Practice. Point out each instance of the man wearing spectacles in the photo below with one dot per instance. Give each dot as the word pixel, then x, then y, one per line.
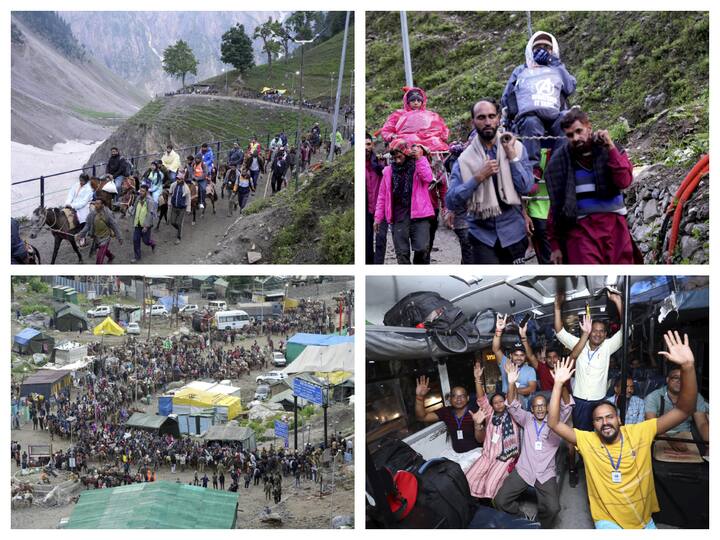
pixel 464 422
pixel 536 464
pixel 666 398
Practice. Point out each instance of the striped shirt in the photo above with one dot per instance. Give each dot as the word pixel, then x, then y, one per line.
pixel 587 202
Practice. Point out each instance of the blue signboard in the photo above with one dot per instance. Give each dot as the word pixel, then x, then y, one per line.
pixel 307 390
pixel 281 429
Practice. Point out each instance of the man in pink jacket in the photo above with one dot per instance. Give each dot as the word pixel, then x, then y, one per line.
pixel 415 124
pixel 404 201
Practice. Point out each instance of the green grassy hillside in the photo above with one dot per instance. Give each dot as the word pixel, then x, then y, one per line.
pixel 618 59
pixel 319 63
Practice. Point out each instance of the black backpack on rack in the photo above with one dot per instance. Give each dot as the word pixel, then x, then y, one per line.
pixel 445 322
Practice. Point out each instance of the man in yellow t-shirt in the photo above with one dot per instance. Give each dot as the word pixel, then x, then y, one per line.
pixel 618 462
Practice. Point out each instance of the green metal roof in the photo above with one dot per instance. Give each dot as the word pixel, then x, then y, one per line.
pixel 155 505
pixel 71 308
pixel 147 421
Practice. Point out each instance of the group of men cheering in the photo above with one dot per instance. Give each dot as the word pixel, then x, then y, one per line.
pixel 548 401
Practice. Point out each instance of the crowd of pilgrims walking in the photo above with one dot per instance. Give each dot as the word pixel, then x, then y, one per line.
pixel 170 189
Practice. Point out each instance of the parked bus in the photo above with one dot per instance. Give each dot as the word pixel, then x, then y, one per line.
pixel 231 320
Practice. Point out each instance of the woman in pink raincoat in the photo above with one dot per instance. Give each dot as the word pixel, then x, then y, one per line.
pixel 416 124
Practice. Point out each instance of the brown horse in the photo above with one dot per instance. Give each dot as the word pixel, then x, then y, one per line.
pixel 57 222
pixel 97 185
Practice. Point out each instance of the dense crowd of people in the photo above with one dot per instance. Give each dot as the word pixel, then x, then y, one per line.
pixel 533 179
pixel 106 453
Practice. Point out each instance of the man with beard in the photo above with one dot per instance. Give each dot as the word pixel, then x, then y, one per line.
pixel 592 351
pixel 618 459
pixel 587 223
pixel 536 465
pixel 488 179
pixel 526 381
pixel 404 201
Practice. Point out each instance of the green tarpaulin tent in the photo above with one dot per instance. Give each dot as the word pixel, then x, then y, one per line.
pixel 155 505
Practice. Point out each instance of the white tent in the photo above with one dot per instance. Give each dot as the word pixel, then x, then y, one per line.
pixel 329 358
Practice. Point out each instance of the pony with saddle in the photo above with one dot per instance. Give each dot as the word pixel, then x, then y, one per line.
pixel 63 225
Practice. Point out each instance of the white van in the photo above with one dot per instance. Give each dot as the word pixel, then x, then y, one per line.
pixel 231 320
pixel 217 305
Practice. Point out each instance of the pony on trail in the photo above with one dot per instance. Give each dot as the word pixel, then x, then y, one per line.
pixel 60 227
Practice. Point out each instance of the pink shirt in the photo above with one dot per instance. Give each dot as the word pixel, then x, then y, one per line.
pixel 537 465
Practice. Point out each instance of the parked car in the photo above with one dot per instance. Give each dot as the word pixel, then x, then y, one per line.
pixel 189 308
pixel 270 376
pixel 99 311
pixel 262 392
pixel 157 309
pixel 133 328
pixel 279 359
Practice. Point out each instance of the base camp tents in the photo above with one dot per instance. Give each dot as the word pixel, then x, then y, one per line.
pixel 299 341
pixel 324 359
pixel 46 382
pixel 70 318
pixel 31 341
pixel 154 422
pixel 230 432
pixel 108 326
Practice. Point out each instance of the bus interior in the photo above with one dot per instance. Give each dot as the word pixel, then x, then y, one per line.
pixel 397 356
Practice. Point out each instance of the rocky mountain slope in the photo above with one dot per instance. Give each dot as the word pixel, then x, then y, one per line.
pixel 643 75
pixel 140 37
pixel 56 96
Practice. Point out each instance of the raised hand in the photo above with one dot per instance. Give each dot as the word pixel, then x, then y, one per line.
pixel 564 370
pixel 559 299
pixel 678 352
pixel 500 323
pixel 522 330
pixel 477 371
pixel 586 324
pixel 423 386
pixel 478 417
pixel 512 372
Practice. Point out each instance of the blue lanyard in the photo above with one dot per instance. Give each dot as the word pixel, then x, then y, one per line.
pixel 538 431
pixel 590 356
pixel 459 421
pixel 612 463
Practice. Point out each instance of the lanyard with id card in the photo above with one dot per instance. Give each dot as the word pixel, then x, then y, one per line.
pixel 538 441
pixel 459 421
pixel 615 475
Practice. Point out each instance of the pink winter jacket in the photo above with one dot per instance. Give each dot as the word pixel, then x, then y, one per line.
pixel 420 204
pixel 417 127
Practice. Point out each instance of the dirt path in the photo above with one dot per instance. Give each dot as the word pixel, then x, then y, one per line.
pixel 446 249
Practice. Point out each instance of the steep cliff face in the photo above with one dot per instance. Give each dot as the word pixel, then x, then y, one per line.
pixel 57 97
pixel 131 43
